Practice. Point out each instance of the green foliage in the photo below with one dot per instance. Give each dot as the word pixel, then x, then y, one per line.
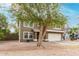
pixel 73 30
pixel 3 22
pixel 1 34
pixel 4 33
pixel 3 26
pixel 46 14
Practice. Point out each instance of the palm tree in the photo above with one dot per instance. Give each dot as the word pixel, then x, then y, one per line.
pixel 73 32
pixel 42 14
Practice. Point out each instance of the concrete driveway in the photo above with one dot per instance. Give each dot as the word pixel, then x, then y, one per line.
pixel 69 43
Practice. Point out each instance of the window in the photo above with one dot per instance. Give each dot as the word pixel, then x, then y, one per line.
pixel 27 35
pixel 30 35
pixel 27 24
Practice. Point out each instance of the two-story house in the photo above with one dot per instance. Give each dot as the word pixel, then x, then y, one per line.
pixel 31 32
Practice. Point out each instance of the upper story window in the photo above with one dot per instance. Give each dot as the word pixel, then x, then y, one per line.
pixel 55 27
pixel 27 24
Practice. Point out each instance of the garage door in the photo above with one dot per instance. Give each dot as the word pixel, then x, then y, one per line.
pixel 54 37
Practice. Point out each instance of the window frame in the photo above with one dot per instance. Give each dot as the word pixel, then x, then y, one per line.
pixel 28 35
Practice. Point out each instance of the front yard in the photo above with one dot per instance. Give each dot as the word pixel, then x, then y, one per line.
pixel 51 48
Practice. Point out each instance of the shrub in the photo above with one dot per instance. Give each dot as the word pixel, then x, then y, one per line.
pixel 12 36
pixel 1 34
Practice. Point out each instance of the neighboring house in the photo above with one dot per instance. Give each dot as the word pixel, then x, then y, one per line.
pixel 31 32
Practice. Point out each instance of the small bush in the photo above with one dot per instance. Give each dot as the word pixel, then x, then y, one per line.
pixel 11 36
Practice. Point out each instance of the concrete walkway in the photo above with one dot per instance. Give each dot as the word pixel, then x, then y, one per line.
pixel 69 43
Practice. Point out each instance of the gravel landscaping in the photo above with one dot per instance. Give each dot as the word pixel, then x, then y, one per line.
pixel 63 48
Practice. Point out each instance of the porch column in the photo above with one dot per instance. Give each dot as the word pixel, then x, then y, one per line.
pixel 35 36
pixel 20 32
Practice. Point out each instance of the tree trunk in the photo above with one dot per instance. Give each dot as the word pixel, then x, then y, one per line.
pixel 44 32
pixel 40 37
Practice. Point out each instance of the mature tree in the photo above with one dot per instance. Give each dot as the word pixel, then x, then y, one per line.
pixel 43 14
pixel 3 26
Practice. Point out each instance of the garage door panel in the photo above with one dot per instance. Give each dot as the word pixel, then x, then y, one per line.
pixel 54 37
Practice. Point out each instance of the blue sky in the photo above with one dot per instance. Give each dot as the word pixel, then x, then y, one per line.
pixel 70 10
